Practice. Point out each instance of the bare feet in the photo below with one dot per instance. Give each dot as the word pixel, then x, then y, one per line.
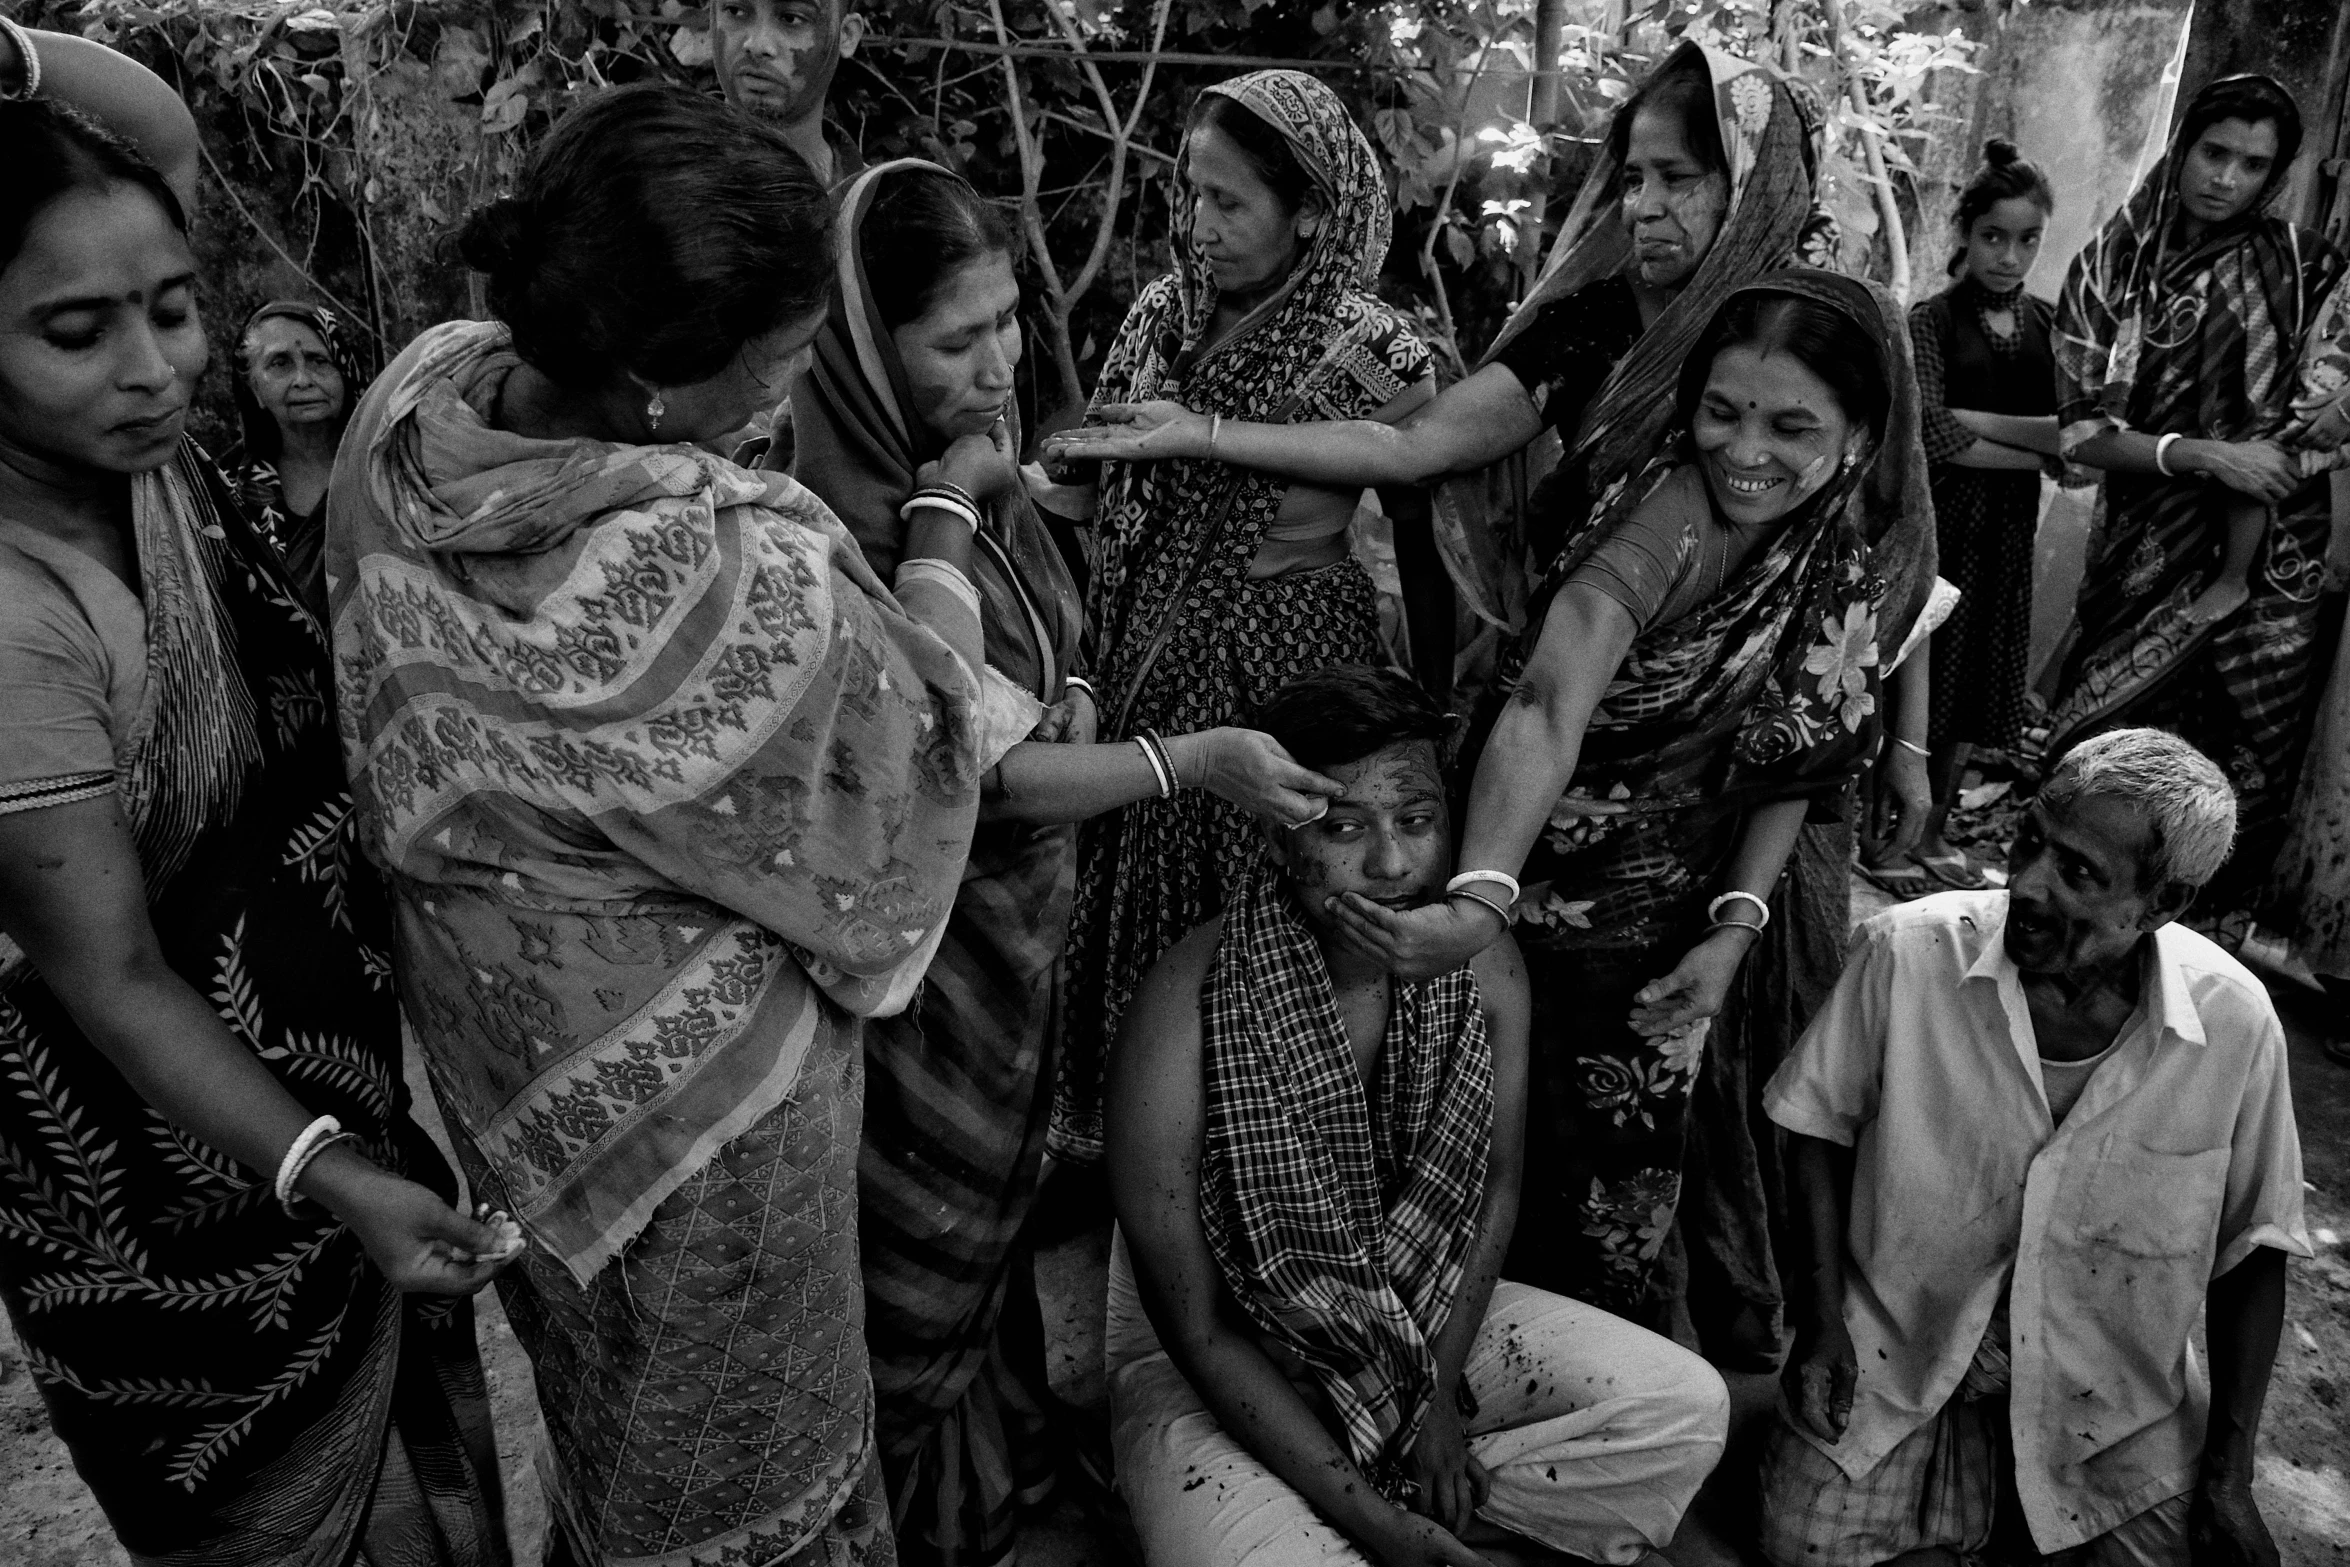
pixel 2217 602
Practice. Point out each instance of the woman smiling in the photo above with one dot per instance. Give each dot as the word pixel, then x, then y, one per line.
pixel 1700 666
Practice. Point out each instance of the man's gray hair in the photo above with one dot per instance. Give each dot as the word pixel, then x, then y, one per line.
pixel 2185 796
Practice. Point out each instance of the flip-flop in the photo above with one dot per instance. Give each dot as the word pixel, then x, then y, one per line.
pixel 1903 878
pixel 1955 870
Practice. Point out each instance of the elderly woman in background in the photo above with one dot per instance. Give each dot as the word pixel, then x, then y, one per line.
pixel 675 795
pixel 2178 344
pixel 195 985
pixel 298 373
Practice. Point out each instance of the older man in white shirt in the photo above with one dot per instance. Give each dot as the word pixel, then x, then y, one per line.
pixel 2031 1134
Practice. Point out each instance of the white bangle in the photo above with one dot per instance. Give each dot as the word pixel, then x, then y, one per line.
pixel 299 1154
pixel 31 57
pixel 1150 754
pixel 2162 446
pixel 946 503
pixel 1502 878
pixel 1079 683
pixel 1912 745
pixel 1713 910
pixel 1215 429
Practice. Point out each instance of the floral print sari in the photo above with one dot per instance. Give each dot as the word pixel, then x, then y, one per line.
pixel 1767 691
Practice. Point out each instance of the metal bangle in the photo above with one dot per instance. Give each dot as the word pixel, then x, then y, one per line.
pixel 1081 684
pixel 26 52
pixel 1713 910
pixel 1912 745
pixel 1158 768
pixel 1507 918
pixel 1166 760
pixel 1215 429
pixel 1734 925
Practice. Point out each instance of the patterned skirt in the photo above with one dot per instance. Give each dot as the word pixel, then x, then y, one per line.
pixel 706 1394
pixel 1985 524
pixel 1151 873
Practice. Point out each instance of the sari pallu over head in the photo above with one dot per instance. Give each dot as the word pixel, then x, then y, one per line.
pixel 2157 335
pixel 1341 1221
pixel 1767 691
pixel 1174 539
pixel 1769 127
pixel 655 761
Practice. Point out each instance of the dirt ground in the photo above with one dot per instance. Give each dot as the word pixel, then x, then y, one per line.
pixel 47 1517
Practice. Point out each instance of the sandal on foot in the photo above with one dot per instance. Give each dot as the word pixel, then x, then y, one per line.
pixel 1956 870
pixel 1900 878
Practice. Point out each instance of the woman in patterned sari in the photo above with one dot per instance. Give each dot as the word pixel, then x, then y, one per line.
pixel 2178 338
pixel 674 794
pixel 911 382
pixel 194 968
pixel 1213 586
pixel 1699 670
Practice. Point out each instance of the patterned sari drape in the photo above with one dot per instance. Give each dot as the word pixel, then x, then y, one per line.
pixel 2203 339
pixel 223 1372
pixel 1186 641
pixel 955 1102
pixel 673 793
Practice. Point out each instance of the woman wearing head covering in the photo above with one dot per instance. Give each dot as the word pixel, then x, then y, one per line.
pixel 1706 179
pixel 298 373
pixel 910 387
pixel 1699 671
pixel 2178 341
pixel 675 794
pixel 214 1208
pixel 1213 585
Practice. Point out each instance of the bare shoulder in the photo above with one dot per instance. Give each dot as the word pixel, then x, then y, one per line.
pixel 1163 1020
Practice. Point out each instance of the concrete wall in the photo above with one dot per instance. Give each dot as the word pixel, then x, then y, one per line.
pixel 2078 85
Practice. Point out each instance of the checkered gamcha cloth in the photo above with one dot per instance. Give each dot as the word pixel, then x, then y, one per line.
pixel 1339 1220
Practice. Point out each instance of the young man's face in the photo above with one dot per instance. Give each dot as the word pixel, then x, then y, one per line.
pixel 775 58
pixel 1389 837
pixel 2077 898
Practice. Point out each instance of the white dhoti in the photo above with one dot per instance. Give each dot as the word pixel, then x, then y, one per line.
pixel 1595 1432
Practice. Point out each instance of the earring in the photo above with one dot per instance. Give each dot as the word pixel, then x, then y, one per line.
pixel 654 409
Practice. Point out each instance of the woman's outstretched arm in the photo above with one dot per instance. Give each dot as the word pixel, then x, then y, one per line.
pixel 1468 425
pixel 1528 762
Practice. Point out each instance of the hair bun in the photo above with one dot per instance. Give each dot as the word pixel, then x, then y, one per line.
pixel 498 237
pixel 1999 152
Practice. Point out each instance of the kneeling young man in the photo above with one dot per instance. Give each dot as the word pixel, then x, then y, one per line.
pixel 1315 1168
pixel 2032 1133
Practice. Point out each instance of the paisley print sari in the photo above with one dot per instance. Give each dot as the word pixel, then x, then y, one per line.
pixel 1185 639
pixel 672 795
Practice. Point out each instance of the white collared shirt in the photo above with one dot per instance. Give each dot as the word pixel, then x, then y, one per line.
pixel 2179 1159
